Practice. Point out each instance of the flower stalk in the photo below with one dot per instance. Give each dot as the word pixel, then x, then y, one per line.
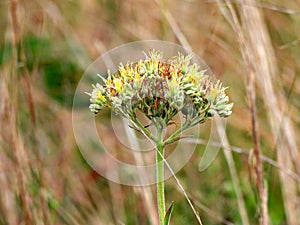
pixel 160 188
pixel 160 90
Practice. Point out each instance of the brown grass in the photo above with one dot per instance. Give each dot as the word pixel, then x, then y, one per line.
pixel 252 46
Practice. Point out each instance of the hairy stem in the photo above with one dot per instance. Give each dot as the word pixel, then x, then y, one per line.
pixel 160 188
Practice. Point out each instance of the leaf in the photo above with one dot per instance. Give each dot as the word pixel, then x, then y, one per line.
pixel 168 214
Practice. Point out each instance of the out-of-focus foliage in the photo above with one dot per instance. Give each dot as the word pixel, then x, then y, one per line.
pixel 43 177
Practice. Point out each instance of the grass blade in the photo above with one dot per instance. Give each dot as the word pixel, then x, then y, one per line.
pixel 168 214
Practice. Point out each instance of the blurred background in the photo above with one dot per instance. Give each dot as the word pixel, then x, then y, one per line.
pixel 45 47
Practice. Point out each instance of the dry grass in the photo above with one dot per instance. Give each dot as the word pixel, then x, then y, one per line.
pixel 253 46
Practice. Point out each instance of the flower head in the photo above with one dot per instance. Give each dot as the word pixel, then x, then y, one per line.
pixel 162 89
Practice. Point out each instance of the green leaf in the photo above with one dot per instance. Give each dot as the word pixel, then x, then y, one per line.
pixel 168 214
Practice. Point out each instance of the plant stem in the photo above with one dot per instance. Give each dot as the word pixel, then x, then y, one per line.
pixel 175 135
pixel 160 188
pixel 146 132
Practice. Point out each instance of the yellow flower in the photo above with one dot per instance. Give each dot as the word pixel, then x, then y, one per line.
pixel 174 82
pixel 162 89
pixel 118 85
pixel 155 64
pixel 100 97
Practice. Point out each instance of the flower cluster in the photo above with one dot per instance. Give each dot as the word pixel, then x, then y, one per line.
pixel 161 89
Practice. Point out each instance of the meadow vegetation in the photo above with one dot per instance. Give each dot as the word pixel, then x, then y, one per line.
pixel 252 46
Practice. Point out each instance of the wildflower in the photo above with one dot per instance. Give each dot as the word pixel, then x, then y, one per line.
pixel 162 89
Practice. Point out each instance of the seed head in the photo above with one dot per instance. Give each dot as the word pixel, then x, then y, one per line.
pixel 161 89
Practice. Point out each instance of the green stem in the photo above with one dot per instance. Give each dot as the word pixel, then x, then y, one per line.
pixel 160 188
pixel 142 128
pixel 175 135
